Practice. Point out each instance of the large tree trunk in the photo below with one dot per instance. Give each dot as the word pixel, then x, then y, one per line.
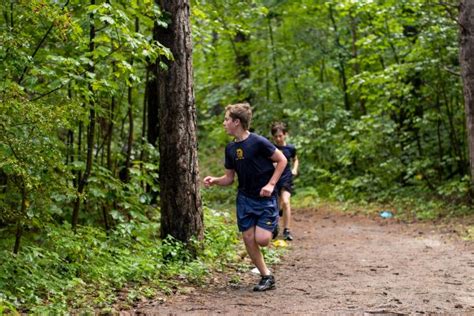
pixel 466 56
pixel 181 210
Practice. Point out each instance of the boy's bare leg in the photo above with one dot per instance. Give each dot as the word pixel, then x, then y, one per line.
pixel 255 237
pixel 286 207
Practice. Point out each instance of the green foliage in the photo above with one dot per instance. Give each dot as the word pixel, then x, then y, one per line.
pixel 50 80
pixel 32 165
pixel 65 270
pixel 220 234
pixel 7 308
pixel 365 87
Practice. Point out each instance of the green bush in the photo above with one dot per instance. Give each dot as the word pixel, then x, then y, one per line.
pixel 64 271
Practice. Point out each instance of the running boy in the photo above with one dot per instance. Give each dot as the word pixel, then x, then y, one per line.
pixel 285 184
pixel 251 156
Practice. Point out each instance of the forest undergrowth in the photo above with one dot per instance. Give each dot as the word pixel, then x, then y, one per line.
pixel 61 271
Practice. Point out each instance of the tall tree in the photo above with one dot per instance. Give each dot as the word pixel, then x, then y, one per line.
pixel 90 131
pixel 242 59
pixel 466 56
pixel 181 209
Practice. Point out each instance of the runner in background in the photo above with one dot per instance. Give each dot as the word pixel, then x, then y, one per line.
pixel 285 184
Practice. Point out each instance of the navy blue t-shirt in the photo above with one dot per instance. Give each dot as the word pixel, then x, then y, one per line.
pixel 290 153
pixel 251 161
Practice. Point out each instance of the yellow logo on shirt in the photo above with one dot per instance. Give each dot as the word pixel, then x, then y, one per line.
pixel 240 153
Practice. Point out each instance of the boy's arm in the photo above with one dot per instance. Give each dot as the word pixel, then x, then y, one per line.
pixel 281 162
pixel 295 166
pixel 226 179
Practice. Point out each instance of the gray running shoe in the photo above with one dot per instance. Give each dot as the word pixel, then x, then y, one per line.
pixel 287 235
pixel 266 283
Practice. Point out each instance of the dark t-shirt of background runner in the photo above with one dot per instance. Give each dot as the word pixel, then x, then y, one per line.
pixel 251 161
pixel 290 153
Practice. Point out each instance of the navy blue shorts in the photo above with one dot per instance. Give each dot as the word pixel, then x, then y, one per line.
pixel 285 182
pixel 256 212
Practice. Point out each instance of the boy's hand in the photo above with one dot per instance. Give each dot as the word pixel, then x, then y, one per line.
pixel 267 190
pixel 208 181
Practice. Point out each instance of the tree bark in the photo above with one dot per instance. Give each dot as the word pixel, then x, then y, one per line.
pixel 144 116
pixel 18 234
pixel 125 172
pixel 341 61
pixel 181 210
pixel 355 55
pixel 242 59
pixel 466 58
pixel 19 226
pixel 128 158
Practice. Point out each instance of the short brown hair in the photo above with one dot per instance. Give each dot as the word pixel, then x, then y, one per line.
pixel 278 126
pixel 241 111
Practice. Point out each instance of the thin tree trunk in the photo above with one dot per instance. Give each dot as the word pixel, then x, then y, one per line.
pixel 274 63
pixel 144 117
pixel 19 225
pixel 70 137
pixel 90 131
pixel 125 174
pixel 322 71
pixel 297 90
pixel 9 19
pixel 439 124
pixel 70 147
pixel 106 208
pixel 242 60
pixel 18 234
pixel 267 85
pixel 242 57
pixel 455 142
pixel 130 120
pixel 110 131
pixel 342 68
pixel 78 177
pixel 355 55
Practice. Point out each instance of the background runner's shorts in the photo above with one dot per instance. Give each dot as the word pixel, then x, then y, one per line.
pixel 285 182
pixel 256 212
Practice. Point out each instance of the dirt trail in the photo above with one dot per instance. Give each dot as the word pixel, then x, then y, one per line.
pixel 347 265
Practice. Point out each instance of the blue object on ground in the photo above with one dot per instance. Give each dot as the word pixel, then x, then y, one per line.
pixel 386 214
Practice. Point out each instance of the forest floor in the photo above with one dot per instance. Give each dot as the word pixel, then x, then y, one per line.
pixel 346 264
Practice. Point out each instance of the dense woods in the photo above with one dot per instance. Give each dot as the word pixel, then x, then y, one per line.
pixel 102 106
pixel 370 90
